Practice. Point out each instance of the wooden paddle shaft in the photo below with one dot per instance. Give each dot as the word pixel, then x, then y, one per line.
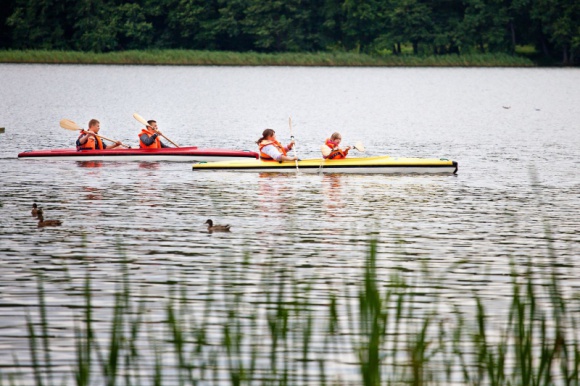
pixel 292 138
pixel 108 139
pixel 174 144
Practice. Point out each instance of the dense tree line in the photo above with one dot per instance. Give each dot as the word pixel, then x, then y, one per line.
pixel 370 26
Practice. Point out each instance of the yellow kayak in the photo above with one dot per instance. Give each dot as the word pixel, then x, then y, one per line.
pixel 369 165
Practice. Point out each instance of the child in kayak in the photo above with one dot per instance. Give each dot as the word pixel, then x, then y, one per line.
pixel 331 149
pixel 272 150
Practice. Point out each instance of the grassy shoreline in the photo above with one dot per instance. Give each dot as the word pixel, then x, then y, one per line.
pixel 222 58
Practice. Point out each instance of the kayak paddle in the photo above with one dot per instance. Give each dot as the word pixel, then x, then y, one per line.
pixel 292 139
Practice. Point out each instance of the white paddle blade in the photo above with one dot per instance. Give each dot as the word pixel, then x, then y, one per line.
pixel 69 125
pixel 359 146
pixel 140 119
pixel 325 150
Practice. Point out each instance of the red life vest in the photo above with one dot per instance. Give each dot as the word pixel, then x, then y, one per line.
pixel 154 145
pixel 93 143
pixel 265 143
pixel 335 152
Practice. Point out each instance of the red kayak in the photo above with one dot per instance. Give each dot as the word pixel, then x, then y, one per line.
pixel 175 154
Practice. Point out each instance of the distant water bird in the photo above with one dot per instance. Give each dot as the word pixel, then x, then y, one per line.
pixel 537 109
pixel 48 223
pixel 34 211
pixel 217 228
pixel 506 107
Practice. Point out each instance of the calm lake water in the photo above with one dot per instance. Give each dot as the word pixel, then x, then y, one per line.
pixel 507 128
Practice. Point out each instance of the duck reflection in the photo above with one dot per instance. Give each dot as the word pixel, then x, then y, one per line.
pixel 92 193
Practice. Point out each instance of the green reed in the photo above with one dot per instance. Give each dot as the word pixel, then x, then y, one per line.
pixel 224 58
pixel 276 329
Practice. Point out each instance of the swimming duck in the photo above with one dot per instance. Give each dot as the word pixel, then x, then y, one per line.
pixel 217 228
pixel 47 223
pixel 34 210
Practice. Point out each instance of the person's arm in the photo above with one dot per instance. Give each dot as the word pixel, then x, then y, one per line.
pixel 275 154
pixel 148 140
pixel 115 145
pixel 83 139
pixel 287 158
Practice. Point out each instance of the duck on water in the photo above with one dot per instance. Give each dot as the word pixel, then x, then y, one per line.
pixel 216 228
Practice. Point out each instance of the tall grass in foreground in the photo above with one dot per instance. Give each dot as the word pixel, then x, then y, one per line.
pixel 279 329
pixel 224 58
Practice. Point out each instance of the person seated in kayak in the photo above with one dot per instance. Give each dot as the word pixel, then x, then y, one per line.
pixel 272 150
pixel 89 141
pixel 148 137
pixel 331 149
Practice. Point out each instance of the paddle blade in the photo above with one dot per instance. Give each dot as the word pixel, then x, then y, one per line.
pixel 359 146
pixel 325 150
pixel 69 125
pixel 140 119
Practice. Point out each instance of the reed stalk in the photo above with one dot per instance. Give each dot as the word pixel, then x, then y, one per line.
pixel 391 331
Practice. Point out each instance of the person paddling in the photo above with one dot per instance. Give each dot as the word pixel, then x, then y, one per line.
pixel 272 150
pixel 334 151
pixel 90 140
pixel 148 137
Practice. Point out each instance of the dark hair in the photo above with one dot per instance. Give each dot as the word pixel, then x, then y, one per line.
pixel 93 122
pixel 265 134
pixel 151 121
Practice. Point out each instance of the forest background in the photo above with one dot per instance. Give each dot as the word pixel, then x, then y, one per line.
pixel 547 31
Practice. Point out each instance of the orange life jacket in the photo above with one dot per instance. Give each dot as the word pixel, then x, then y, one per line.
pixel 335 153
pixel 265 143
pixel 93 143
pixel 154 145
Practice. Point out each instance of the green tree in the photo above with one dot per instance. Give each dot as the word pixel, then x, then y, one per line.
pixel 191 23
pixel 132 28
pixel 7 9
pixel 485 24
pixel 330 16
pixel 94 26
pixel 106 25
pixel 560 23
pixel 409 21
pixel 363 23
pixel 231 33
pixel 40 24
pixel 446 18
pixel 275 26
